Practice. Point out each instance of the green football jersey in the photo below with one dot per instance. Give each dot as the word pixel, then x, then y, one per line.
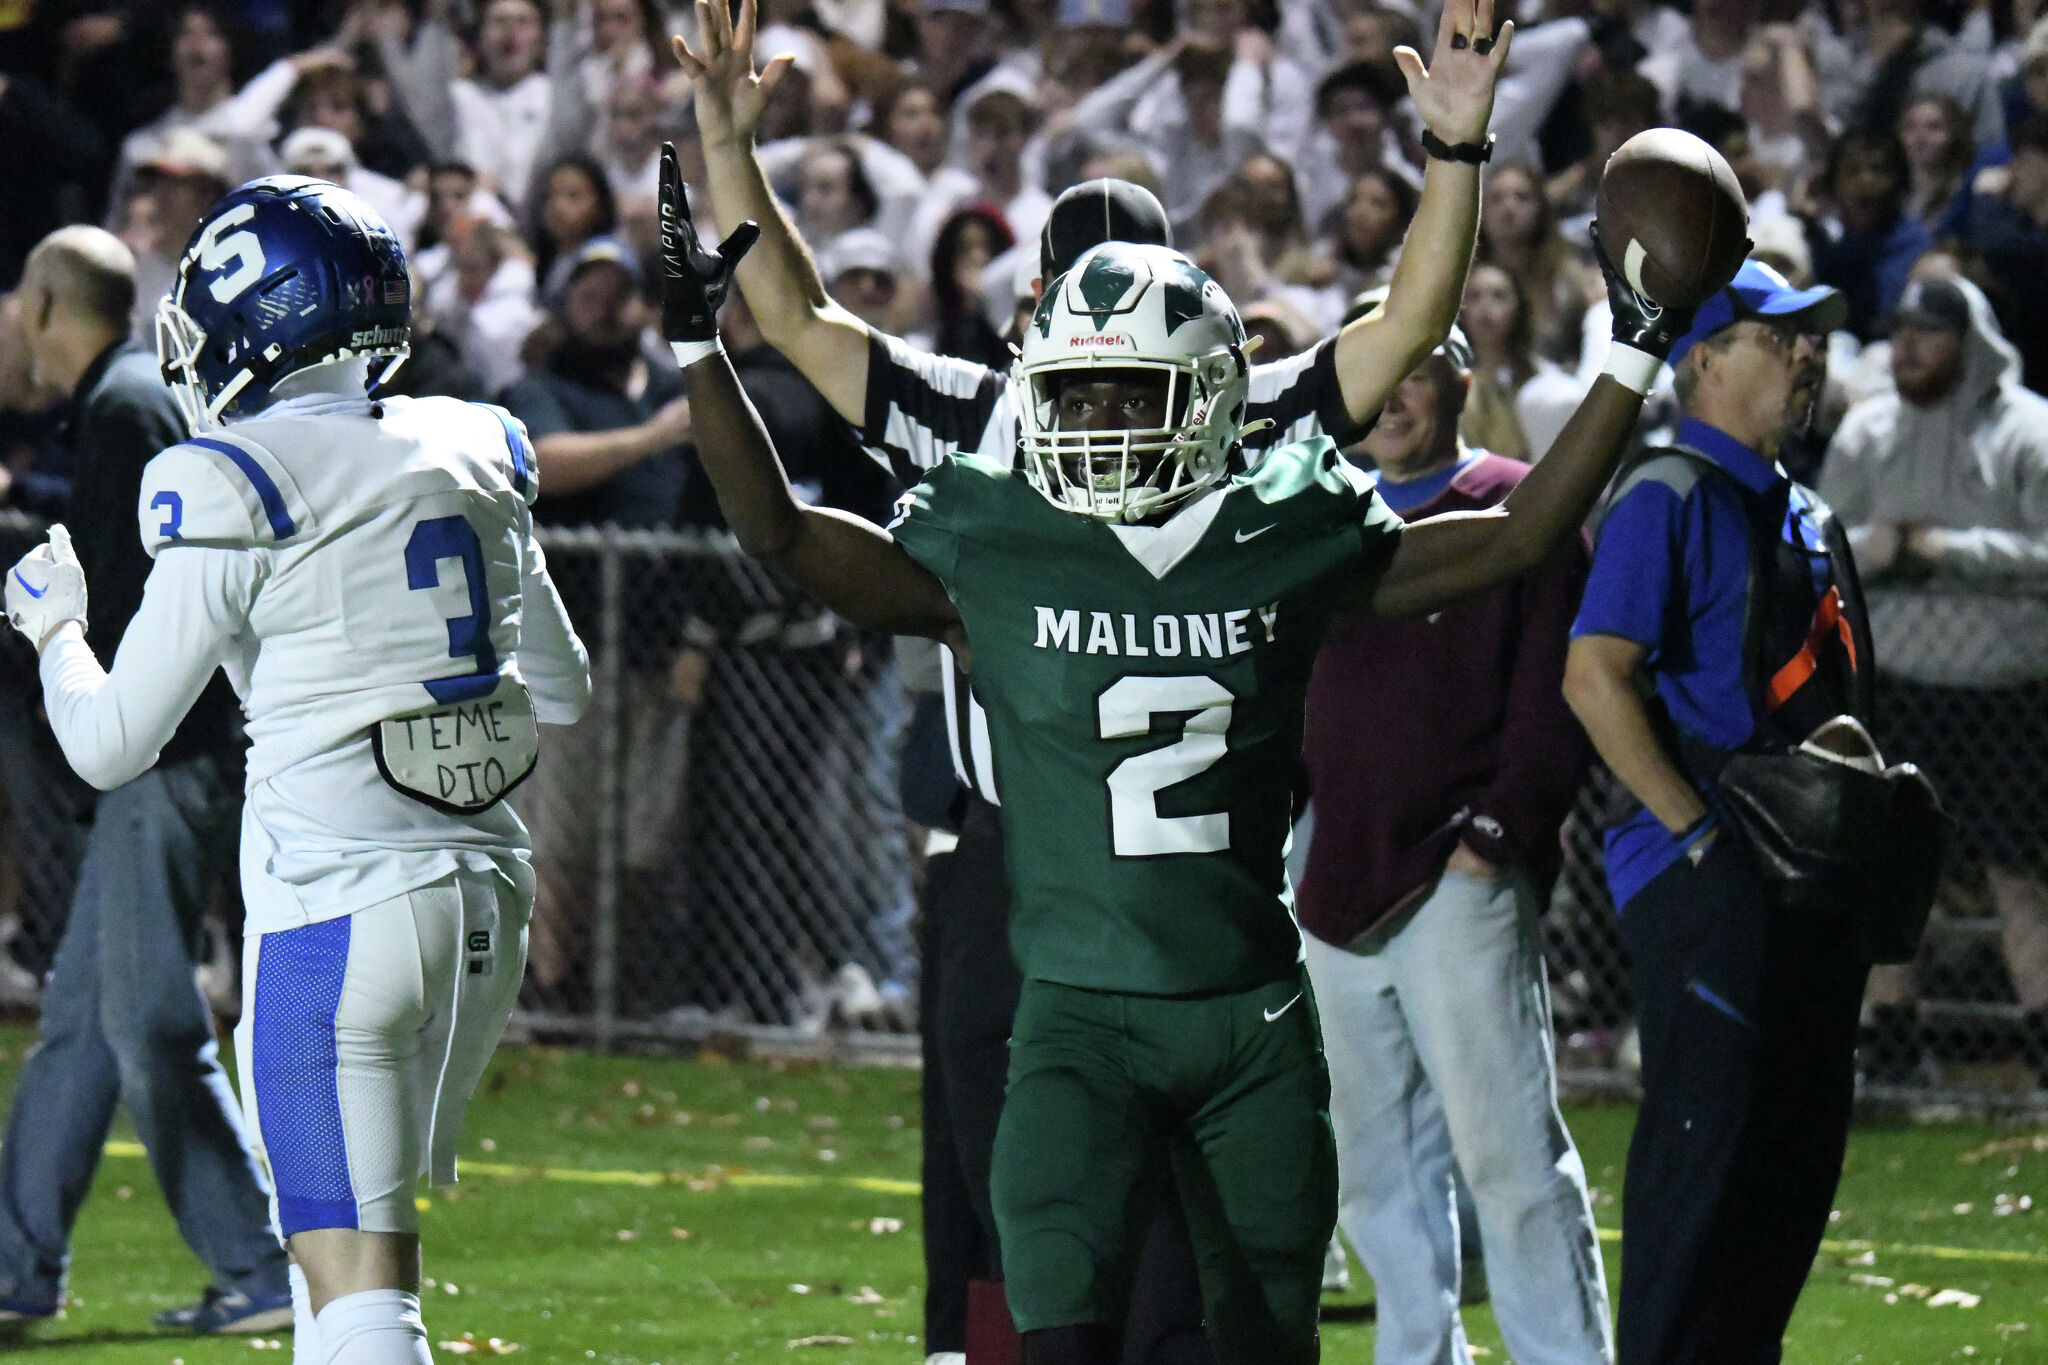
pixel 1145 688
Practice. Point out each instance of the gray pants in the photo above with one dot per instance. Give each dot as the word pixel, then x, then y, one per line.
pixel 124 1023
pixel 1437 1032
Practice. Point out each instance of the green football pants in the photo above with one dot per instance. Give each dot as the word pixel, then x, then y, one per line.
pixel 1106 1092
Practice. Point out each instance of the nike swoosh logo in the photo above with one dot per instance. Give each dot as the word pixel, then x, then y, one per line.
pixel 1271 1015
pixel 24 585
pixel 1243 536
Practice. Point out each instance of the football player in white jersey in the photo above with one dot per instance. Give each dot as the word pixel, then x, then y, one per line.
pixel 365 570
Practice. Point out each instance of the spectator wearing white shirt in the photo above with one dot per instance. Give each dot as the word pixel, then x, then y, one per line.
pixel 954 37
pixel 864 270
pixel 1780 103
pixel 894 179
pixel 201 61
pixel 325 154
pixel 1616 105
pixel 1943 485
pixel 1705 65
pixel 630 145
pixel 1258 246
pixel 1357 132
pixel 911 119
pixel 628 42
pixel 1263 100
pixel 175 180
pixel 1518 232
pixel 514 109
pixel 833 192
pixel 1088 45
pixel 484 300
pixel 339 96
pixel 1540 65
pixel 1896 55
pixel 995 120
pixel 1519 401
pixel 1364 240
pixel 453 193
pixel 1284 89
pixel 1195 109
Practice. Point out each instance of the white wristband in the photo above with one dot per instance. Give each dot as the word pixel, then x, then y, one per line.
pixel 689 353
pixel 1632 369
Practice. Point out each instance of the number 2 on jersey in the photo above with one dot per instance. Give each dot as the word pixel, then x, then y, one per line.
pixel 1125 711
pixel 432 541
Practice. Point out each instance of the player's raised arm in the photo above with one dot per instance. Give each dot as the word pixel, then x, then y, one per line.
pixel 825 342
pixel 1442 559
pixel 849 564
pixel 1454 96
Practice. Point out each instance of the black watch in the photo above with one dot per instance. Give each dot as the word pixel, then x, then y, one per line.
pixel 1471 153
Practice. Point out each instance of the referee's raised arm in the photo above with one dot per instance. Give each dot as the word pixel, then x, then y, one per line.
pixel 797 317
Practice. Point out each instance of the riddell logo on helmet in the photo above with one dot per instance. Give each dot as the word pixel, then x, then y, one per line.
pixel 377 336
pixel 1105 339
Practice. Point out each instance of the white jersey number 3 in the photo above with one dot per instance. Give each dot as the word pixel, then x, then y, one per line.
pixel 1125 711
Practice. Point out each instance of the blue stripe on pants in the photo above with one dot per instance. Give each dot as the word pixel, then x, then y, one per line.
pixel 299 975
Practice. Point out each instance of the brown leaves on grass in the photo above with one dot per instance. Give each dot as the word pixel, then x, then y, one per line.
pixel 468 1345
pixel 2037 1142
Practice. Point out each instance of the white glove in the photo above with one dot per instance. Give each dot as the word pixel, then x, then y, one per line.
pixel 46 589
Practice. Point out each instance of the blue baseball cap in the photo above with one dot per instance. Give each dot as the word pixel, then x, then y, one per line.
pixel 1757 291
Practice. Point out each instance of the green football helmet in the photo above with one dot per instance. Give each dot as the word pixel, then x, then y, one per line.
pixel 1125 307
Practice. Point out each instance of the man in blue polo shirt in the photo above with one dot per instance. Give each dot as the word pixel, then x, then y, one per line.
pixel 1694 639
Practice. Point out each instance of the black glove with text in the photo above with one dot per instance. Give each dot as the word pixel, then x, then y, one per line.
pixel 694 281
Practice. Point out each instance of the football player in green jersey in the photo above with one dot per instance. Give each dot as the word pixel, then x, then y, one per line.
pixel 1145 612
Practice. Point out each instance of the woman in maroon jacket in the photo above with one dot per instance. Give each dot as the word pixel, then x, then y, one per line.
pixel 1442 760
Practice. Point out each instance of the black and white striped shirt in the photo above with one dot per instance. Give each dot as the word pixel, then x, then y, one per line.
pixel 922 408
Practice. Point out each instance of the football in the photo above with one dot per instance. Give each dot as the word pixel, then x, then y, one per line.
pixel 1672 217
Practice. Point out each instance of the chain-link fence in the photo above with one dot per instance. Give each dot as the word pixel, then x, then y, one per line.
pixel 720 841
pixel 722 849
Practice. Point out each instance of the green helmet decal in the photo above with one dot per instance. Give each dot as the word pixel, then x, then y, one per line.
pixel 1184 285
pixel 1042 319
pixel 1186 288
pixel 1105 284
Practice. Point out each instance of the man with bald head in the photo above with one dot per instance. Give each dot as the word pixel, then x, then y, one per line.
pixel 122 1022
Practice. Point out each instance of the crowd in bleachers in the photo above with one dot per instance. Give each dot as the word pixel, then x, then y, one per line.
pixel 918 146
pixel 514 144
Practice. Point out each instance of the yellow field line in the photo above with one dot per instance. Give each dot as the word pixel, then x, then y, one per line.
pixel 576 1175
pixel 750 1180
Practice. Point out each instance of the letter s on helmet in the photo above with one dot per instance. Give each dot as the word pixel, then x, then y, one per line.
pixel 281 275
pixel 1129 307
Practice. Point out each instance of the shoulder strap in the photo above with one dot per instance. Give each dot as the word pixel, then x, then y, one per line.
pixel 1842 562
pixel 1677 469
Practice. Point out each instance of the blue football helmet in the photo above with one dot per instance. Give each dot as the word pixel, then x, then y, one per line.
pixel 282 274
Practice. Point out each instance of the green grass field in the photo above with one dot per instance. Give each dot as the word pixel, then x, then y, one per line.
pixel 641 1210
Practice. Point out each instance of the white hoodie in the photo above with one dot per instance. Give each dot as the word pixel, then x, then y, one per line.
pixel 1974 464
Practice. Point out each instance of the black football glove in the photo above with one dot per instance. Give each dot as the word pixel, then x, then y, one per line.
pixel 694 282
pixel 1639 322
